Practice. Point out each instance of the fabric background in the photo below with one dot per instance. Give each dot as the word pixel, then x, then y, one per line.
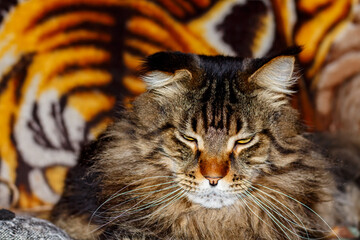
pixel 66 66
pixel 28 228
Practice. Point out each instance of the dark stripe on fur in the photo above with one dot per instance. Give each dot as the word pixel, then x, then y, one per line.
pixel 238 125
pixel 176 140
pixel 204 116
pixel 194 123
pixel 276 144
pixel 293 166
pixel 228 118
pixel 158 131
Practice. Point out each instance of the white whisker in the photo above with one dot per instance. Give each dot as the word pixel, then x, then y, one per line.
pixel 304 205
pixel 282 210
pixel 169 201
pixel 118 216
pixel 118 193
pixel 141 195
pixel 272 217
pixel 135 208
pixel 244 202
pixel 153 203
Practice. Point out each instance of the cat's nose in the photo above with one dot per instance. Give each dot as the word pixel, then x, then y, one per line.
pixel 213 169
pixel 213 181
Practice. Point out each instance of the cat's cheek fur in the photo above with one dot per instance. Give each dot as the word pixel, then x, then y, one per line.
pixel 172 165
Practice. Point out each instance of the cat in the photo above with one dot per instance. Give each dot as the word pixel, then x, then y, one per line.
pixel 213 150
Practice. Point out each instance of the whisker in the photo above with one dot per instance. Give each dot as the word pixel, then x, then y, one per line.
pixel 169 201
pixel 153 203
pixel 269 211
pixel 135 208
pixel 244 201
pixel 288 220
pixel 117 194
pixel 114 218
pixel 141 195
pixel 273 206
pixel 272 217
pixel 304 205
pixel 291 222
pixel 259 191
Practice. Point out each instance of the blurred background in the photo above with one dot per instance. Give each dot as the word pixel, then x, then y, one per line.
pixel 67 66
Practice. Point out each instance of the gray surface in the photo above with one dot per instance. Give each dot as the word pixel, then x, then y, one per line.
pixel 30 228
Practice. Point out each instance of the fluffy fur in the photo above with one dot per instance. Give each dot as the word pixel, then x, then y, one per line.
pixel 212 151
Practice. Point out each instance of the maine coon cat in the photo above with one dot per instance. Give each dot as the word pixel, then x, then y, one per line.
pixel 213 150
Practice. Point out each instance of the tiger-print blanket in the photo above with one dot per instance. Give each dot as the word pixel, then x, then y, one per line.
pixel 66 64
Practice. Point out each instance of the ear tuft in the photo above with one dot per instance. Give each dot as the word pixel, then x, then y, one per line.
pixel 157 79
pixel 276 75
pixel 169 73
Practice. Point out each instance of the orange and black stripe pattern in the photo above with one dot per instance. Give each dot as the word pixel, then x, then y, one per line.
pixel 64 67
pixel 66 64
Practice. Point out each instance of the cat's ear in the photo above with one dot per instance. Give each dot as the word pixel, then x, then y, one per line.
pixel 168 73
pixel 276 76
pixel 166 83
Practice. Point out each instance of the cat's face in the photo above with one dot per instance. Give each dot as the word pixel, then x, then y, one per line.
pixel 219 161
pixel 228 124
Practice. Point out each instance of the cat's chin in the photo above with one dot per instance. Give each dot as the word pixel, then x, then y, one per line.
pixel 213 197
pixel 212 200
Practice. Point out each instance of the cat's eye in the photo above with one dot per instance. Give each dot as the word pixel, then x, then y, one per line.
pixel 244 140
pixel 191 139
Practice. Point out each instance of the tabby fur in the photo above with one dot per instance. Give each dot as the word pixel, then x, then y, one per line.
pixel 213 150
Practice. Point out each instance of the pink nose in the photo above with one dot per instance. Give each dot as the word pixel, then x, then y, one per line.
pixel 213 180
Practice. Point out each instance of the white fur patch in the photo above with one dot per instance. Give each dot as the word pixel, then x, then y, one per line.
pixel 213 197
pixel 157 79
pixel 167 84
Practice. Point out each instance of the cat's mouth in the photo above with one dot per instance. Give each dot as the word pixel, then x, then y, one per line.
pixel 213 197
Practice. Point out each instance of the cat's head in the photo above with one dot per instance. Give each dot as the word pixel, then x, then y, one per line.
pixel 229 120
